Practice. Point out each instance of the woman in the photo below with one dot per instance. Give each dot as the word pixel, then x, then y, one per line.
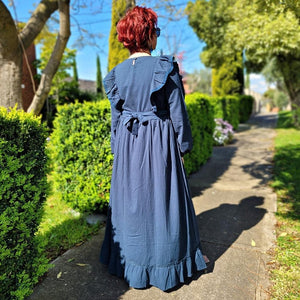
pixel 151 234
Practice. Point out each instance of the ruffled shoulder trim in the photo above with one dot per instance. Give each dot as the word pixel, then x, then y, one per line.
pixel 110 86
pixel 164 66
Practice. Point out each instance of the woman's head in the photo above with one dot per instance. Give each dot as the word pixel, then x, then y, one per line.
pixel 137 29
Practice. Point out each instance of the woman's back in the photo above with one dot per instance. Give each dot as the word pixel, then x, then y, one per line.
pixel 151 232
pixel 138 78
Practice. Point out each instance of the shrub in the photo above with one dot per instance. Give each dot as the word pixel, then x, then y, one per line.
pixel 201 118
pixel 69 93
pixel 223 133
pixel 228 79
pixel 80 155
pixel 80 150
pixel 245 107
pixel 226 108
pixel 23 190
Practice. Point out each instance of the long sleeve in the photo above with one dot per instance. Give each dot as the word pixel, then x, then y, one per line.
pixel 174 91
pixel 112 92
pixel 115 116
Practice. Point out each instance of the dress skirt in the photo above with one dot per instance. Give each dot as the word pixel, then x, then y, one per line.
pixel 151 234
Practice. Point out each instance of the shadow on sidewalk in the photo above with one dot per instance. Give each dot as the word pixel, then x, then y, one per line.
pixel 264 120
pixel 221 227
pixel 215 167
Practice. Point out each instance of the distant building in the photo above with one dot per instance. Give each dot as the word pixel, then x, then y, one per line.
pixel 257 105
pixel 185 83
pixel 87 85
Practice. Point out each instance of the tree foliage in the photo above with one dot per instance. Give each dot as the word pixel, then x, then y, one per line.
pixel 276 98
pixel 75 71
pixel 117 52
pixel 210 20
pixel 99 84
pixel 59 81
pixel 200 81
pixel 228 79
pixel 263 29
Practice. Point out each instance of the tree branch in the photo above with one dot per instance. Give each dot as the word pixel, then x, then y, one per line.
pixel 54 61
pixel 37 21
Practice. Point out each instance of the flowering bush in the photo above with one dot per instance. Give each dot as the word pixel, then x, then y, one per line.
pixel 223 133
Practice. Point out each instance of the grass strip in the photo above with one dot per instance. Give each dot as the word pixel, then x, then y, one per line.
pixel 62 228
pixel 285 272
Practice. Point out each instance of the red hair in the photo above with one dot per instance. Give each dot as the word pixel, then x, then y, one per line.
pixel 136 28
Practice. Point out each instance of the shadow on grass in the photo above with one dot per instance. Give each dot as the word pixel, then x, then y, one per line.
pixel 287 177
pixel 69 233
pixel 285 120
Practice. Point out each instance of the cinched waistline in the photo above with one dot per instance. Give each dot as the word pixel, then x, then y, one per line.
pixel 132 119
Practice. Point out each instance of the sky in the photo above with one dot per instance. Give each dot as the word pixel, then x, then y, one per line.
pixel 176 36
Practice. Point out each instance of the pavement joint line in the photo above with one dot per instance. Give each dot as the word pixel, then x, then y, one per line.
pixel 236 246
pixel 263 190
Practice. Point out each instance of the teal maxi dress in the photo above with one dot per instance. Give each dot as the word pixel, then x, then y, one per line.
pixel 151 234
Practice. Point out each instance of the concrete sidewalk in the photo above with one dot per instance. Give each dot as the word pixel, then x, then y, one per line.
pixel 235 210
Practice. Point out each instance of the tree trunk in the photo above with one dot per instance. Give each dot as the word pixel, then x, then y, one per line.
pixel 56 56
pixel 130 4
pixel 10 61
pixel 289 67
pixel 12 46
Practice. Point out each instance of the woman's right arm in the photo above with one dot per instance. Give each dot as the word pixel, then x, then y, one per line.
pixel 112 93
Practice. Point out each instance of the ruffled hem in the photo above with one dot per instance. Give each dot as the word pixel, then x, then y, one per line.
pixel 161 277
pixel 164 278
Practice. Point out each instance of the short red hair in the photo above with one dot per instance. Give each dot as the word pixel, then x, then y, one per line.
pixel 136 28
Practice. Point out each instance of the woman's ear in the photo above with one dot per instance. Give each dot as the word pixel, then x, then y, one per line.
pixel 153 42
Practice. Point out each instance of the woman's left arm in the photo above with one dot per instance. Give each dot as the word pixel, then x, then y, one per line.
pixel 175 94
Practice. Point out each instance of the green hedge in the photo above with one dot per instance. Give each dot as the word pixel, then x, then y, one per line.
pixel 233 109
pixel 80 150
pixel 80 145
pixel 23 191
pixel 201 117
pixel 226 108
pixel 80 155
pixel 245 107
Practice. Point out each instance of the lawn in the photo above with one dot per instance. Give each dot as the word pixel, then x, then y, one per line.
pixel 285 272
pixel 62 228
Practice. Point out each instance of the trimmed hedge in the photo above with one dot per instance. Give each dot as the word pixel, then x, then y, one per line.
pixel 245 107
pixel 201 117
pixel 80 150
pixel 81 156
pixel 80 145
pixel 226 108
pixel 233 109
pixel 23 191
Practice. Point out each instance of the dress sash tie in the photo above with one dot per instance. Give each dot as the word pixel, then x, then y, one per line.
pixel 132 119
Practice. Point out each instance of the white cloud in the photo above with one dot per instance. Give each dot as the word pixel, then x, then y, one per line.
pixel 258 83
pixel 255 76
